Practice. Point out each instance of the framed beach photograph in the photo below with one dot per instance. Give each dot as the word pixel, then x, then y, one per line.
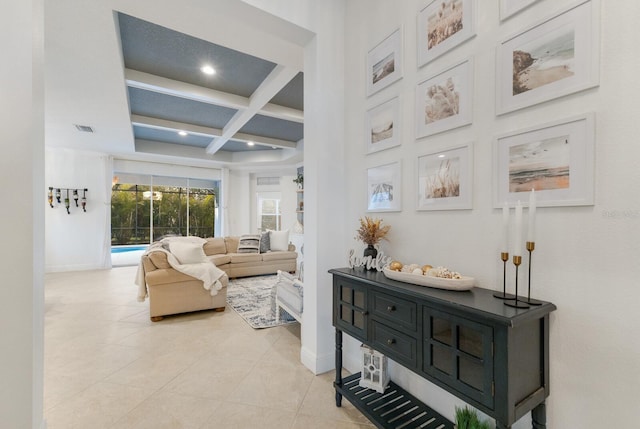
pixel 445 101
pixel 509 8
pixel 554 58
pixel 382 126
pixel 555 159
pixel 384 63
pixel 442 25
pixel 445 179
pixel 384 191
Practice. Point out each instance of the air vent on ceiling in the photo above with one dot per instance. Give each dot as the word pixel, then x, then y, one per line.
pixel 268 180
pixel 83 128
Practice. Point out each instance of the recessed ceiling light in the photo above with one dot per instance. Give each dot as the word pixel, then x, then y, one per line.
pixel 441 156
pixel 208 70
pixel 250 143
pixel 273 147
pixel 182 133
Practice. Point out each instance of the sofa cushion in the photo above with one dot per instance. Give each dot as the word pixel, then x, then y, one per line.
pixel 278 256
pixel 249 243
pixel 265 243
pixel 279 240
pixel 219 260
pixel 232 244
pixel 188 253
pixel 215 246
pixel 159 259
pixel 245 257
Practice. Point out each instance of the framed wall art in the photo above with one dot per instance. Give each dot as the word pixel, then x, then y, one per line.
pixel 384 63
pixel 384 188
pixel 555 159
pixel 554 58
pixel 445 179
pixel 509 8
pixel 442 25
pixel 382 126
pixel 445 101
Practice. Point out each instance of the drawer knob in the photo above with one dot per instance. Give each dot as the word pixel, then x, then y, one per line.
pixel 391 341
pixel 391 308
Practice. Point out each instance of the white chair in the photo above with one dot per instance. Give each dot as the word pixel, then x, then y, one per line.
pixel 288 297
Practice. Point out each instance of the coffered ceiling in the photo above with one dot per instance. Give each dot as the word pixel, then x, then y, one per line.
pixel 249 111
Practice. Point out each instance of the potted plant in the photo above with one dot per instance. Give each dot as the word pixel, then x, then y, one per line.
pixel 299 180
pixel 370 233
pixel 468 419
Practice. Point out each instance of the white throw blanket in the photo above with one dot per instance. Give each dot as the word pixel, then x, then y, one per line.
pixel 207 272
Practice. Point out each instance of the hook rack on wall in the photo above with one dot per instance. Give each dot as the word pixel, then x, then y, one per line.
pixel 67 201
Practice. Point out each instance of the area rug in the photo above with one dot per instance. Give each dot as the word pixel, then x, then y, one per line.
pixel 253 298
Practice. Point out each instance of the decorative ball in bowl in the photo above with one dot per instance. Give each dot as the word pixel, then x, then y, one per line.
pixel 426 275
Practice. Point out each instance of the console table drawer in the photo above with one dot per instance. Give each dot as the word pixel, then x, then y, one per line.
pixel 394 344
pixel 397 310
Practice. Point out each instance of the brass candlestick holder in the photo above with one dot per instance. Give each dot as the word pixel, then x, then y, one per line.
pixel 531 245
pixel 516 303
pixel 504 295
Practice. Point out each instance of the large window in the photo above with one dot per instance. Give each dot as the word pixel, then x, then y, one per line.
pixel 269 213
pixel 141 214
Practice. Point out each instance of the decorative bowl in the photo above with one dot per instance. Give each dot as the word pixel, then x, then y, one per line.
pixel 464 283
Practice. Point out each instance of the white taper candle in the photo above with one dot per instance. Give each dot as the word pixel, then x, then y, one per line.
pixel 531 232
pixel 505 228
pixel 517 242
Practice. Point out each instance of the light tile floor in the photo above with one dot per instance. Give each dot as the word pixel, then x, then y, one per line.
pixel 108 366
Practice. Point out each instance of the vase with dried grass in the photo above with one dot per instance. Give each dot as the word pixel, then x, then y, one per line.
pixel 371 232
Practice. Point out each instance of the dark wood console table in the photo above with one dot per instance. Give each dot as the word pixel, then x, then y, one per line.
pixel 494 357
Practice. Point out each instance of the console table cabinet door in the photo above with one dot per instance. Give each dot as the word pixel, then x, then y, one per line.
pixel 459 352
pixel 350 308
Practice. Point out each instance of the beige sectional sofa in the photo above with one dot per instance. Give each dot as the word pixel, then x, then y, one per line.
pixel 172 292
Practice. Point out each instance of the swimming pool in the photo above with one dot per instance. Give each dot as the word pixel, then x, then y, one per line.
pixel 123 249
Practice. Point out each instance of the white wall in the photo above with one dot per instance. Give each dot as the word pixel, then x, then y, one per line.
pixel 585 258
pixel 77 241
pixel 21 175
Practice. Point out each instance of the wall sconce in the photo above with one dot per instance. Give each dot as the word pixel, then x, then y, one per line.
pixel 374 373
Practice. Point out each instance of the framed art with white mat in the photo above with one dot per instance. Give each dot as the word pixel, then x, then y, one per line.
pixel 556 159
pixel 556 57
pixel 384 188
pixel 443 25
pixel 384 63
pixel 445 179
pixel 382 126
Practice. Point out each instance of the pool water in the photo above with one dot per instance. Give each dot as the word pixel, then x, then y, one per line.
pixel 123 249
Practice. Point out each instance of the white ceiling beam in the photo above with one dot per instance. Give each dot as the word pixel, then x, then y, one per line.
pixel 279 77
pixel 146 121
pixel 188 91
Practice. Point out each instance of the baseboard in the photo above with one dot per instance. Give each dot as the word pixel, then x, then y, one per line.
pixel 64 268
pixel 317 364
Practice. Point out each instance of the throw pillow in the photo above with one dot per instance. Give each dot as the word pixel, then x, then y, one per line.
pixel 187 253
pixel 249 244
pixel 279 240
pixel 265 243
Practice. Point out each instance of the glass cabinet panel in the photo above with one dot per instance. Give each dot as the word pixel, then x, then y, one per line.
pixel 442 359
pixel 441 331
pixel 470 341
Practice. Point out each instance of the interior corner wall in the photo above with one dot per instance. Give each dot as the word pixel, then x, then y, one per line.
pixel 21 175
pixel 76 241
pixel 585 258
pixel 324 165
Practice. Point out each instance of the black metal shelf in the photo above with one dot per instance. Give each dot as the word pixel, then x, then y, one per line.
pixel 393 409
